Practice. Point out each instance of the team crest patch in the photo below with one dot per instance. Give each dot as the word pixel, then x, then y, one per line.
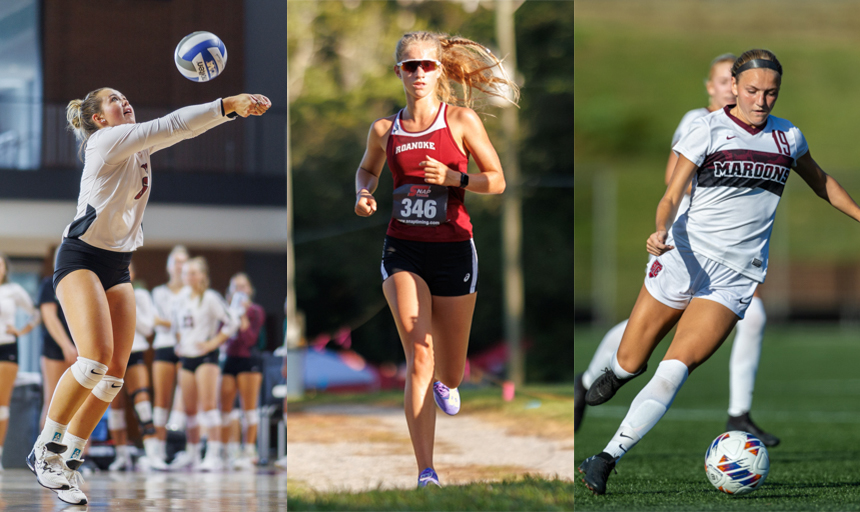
pixel 656 267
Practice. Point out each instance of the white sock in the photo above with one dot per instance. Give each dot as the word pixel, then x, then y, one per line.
pixel 151 448
pixel 620 372
pixel 604 354
pixel 213 449
pixel 746 353
pixel 75 448
pixel 53 432
pixel 648 407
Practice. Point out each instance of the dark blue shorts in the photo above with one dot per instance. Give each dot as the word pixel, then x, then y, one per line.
pixel 136 358
pixel 236 365
pixel 9 352
pixel 192 363
pixel 166 354
pixel 110 267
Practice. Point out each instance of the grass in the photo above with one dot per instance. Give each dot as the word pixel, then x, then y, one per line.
pixel 526 494
pixel 807 393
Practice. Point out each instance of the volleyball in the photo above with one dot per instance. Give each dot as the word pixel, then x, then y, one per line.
pixel 200 56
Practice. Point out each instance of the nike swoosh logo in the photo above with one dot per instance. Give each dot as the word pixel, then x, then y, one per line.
pixel 625 451
pixel 742 301
pixel 116 386
pixel 730 138
pixel 97 373
pixel 622 435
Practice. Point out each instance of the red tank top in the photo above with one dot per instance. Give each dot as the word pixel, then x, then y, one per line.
pixel 404 151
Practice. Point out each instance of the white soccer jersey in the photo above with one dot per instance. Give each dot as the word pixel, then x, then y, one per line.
pixel 117 178
pixel 682 128
pixel 12 297
pixel 741 174
pixel 199 319
pixel 167 306
pixel 145 319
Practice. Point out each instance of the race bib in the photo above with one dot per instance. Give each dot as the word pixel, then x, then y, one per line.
pixel 421 205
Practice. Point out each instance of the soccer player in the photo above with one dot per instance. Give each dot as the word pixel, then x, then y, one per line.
pixel 13 298
pixel 429 263
pixel 706 265
pixel 205 323
pixel 165 366
pixel 746 349
pixel 91 275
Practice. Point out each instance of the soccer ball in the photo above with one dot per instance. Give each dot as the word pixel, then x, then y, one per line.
pixel 200 56
pixel 737 463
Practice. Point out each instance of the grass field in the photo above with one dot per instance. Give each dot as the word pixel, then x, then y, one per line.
pixel 807 393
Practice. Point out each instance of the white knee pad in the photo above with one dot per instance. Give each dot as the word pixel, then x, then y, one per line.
pixel 159 416
pixel 144 411
pixel 87 372
pixel 4 413
pixel 116 419
pixel 107 389
pixel 211 418
pixel 191 421
pixel 226 418
pixel 236 414
pixel 252 416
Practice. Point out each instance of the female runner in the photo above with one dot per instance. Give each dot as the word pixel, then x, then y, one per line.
pixel 91 278
pixel 738 160
pixel 205 323
pixel 429 264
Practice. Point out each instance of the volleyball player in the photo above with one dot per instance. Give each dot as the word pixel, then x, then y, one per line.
pixel 242 371
pixel 91 277
pixel 205 322
pixel 429 264
pixel 58 351
pixel 165 366
pixel 13 298
pixel 138 389
pixel 706 265
pixel 746 349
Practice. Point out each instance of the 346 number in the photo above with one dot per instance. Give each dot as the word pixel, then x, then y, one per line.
pixel 421 208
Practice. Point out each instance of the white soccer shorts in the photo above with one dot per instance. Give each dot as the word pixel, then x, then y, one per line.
pixel 675 278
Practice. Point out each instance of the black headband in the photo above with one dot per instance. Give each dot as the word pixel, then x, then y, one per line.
pixel 759 63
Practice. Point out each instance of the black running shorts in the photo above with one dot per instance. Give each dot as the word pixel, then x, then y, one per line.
pixel 110 267
pixel 450 269
pixel 236 365
pixel 192 363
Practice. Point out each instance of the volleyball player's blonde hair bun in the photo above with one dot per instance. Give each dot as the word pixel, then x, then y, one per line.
pixel 73 113
pixel 79 114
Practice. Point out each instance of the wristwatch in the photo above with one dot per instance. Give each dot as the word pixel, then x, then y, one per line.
pixel 464 180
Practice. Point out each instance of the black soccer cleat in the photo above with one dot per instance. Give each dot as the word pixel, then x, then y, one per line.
pixel 578 402
pixel 745 424
pixel 605 386
pixel 596 470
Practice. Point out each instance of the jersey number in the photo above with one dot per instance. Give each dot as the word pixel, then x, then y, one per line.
pixel 145 186
pixel 781 141
pixel 421 208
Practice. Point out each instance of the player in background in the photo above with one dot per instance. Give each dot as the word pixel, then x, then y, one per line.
pixel 205 322
pixel 282 462
pixel 137 387
pixel 13 298
pixel 242 372
pixel 705 266
pixel 746 348
pixel 58 350
pixel 165 366
pixel 429 264
pixel 91 277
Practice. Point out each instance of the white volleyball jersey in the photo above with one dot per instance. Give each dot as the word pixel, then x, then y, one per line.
pixel 145 320
pixel 682 128
pixel 741 174
pixel 117 178
pixel 200 319
pixel 12 297
pixel 167 306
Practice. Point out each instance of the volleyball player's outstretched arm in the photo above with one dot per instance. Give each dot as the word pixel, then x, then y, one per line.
pixel 826 187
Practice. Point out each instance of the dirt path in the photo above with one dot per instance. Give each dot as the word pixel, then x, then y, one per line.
pixel 359 448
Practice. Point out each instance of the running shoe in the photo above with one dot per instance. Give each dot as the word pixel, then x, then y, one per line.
pixel 446 398
pixel 46 462
pixel 578 402
pixel 605 387
pixel 596 470
pixel 74 495
pixel 428 477
pixel 122 461
pixel 745 424
pixel 183 460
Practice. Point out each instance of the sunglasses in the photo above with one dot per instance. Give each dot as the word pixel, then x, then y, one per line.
pixel 410 66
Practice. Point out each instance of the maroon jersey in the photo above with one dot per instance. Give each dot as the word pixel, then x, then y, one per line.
pixel 426 213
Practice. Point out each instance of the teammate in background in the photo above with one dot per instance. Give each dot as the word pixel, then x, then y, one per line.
pixel 58 351
pixel 739 159
pixel 242 371
pixel 91 276
pixel 12 299
pixel 429 262
pixel 166 298
pixel 746 349
pixel 136 387
pixel 205 322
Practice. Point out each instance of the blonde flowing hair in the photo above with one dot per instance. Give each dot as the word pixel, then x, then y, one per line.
pixel 467 67
pixel 79 114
